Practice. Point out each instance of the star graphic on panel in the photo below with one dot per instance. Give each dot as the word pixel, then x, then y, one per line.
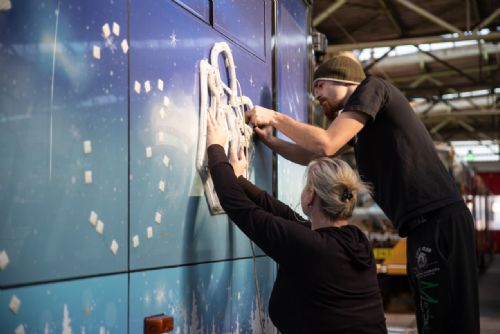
pixel 147 299
pixel 160 296
pixel 287 67
pixel 173 39
pixel 87 310
pixel 251 81
pixel 110 44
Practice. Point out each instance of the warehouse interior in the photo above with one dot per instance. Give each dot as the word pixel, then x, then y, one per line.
pixel 109 221
pixel 445 57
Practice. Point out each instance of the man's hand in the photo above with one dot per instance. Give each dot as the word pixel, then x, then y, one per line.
pixel 216 131
pixel 238 161
pixel 265 133
pixel 260 116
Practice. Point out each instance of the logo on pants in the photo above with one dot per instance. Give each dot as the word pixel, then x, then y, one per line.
pixel 421 257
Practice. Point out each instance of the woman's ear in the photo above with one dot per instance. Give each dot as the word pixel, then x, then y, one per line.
pixel 309 197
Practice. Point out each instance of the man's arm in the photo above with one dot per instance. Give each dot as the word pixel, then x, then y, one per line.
pixel 317 140
pixel 289 151
pixel 311 138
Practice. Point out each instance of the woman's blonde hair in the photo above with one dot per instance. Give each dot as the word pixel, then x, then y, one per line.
pixel 336 184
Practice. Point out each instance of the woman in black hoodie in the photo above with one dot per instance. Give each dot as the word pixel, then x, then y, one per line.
pixel 327 280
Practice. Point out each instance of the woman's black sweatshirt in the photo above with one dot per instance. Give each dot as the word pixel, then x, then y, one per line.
pixel 326 281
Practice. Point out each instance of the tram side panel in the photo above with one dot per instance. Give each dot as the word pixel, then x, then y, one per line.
pixel 63 134
pixel 292 94
pixel 191 267
pixel 168 209
pixel 103 208
pixel 64 167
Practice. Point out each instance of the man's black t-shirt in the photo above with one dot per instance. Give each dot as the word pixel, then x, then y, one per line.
pixel 395 153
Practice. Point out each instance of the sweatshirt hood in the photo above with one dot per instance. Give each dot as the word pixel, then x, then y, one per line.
pixel 356 245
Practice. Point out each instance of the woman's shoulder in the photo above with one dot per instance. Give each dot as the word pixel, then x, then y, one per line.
pixel 355 231
pixel 347 233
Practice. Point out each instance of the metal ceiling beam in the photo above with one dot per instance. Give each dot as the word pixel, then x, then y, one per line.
pixel 430 107
pixel 487 20
pixel 441 74
pixel 418 81
pixel 327 12
pixel 390 11
pixel 470 100
pixel 430 16
pixel 456 69
pixel 461 98
pixel 474 104
pixel 440 125
pixel 450 52
pixel 461 113
pixel 344 31
pixel 475 10
pixel 452 107
pixel 436 82
pixel 366 23
pixel 473 130
pixel 412 41
pixel 477 132
pixel 367 67
pixel 467 14
pixel 425 91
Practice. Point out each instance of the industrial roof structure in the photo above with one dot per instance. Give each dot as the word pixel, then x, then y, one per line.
pixel 444 55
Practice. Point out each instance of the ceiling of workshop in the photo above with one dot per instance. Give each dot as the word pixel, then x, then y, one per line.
pixel 428 77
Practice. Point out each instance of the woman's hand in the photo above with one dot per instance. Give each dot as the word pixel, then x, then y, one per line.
pixel 216 131
pixel 238 161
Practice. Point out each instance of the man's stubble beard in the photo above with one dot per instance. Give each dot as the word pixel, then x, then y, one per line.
pixel 333 112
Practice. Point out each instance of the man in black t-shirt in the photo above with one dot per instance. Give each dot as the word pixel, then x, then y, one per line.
pixel 395 153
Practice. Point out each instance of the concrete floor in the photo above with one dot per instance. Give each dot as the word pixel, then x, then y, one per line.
pixel 489 298
pixel 489 301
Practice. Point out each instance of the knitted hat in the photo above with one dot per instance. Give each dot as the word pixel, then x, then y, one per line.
pixel 342 69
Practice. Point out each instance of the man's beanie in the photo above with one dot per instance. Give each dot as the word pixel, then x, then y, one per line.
pixel 342 69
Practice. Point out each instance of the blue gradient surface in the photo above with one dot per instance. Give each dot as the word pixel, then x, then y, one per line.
pixel 207 298
pixel 292 96
pixel 97 305
pixel 55 96
pixel 71 108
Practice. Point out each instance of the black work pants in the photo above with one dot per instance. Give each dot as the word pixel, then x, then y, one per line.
pixel 442 270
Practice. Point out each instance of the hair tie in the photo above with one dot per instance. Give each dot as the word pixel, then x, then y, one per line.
pixel 346 195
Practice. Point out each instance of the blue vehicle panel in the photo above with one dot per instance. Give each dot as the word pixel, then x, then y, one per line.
pixel 95 305
pixel 207 298
pixel 166 194
pixel 245 22
pixel 292 97
pixel 200 8
pixel 99 127
pixel 63 129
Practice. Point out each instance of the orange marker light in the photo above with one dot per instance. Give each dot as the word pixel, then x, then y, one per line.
pixel 158 324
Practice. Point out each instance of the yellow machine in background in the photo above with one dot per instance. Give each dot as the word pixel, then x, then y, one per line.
pixel 393 259
pixel 389 249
